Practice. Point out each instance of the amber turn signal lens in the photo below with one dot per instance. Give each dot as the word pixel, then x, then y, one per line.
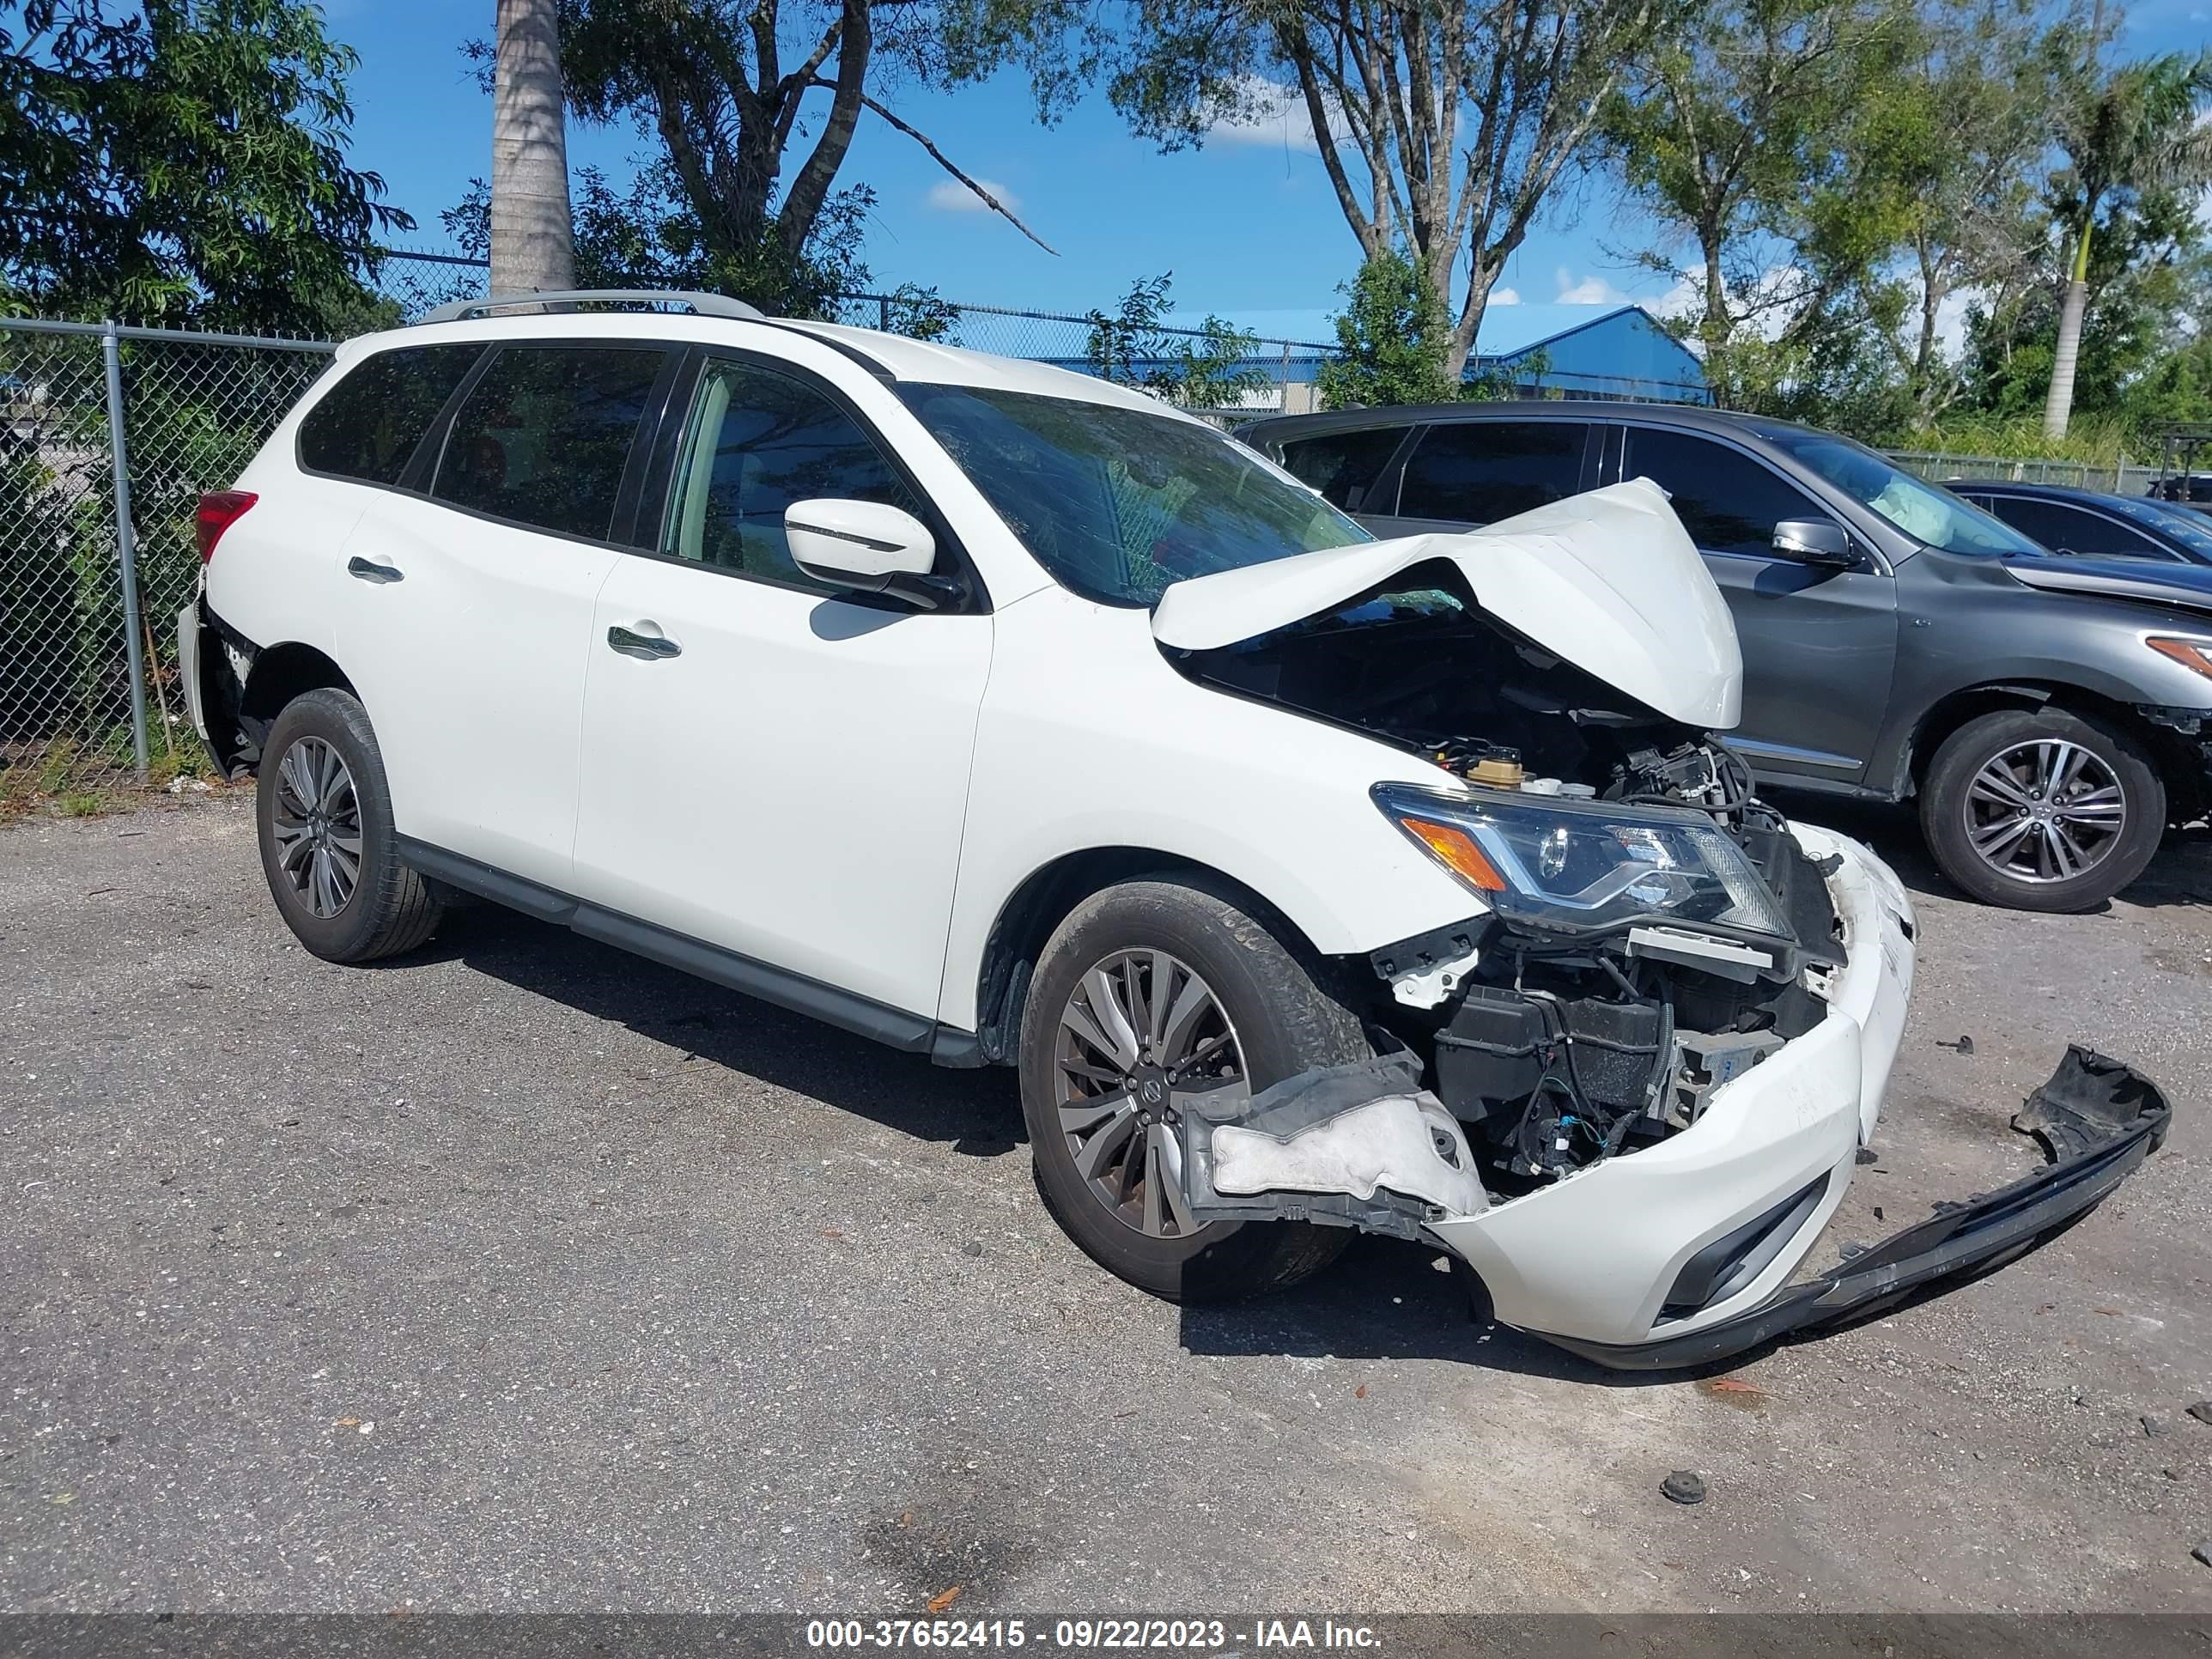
pixel 2188 653
pixel 1457 851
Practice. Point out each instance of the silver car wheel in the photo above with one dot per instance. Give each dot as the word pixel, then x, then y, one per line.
pixel 2045 810
pixel 1140 1036
pixel 317 826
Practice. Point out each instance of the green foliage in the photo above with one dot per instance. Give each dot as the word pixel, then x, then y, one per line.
pixel 2137 142
pixel 751 134
pixel 648 237
pixel 1388 339
pixel 2147 273
pixel 181 162
pixel 2136 133
pixel 1833 175
pixel 2096 439
pixel 1952 147
pixel 918 313
pixel 1444 125
pixel 1208 367
pixel 1748 133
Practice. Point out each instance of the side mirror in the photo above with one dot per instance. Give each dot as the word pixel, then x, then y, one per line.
pixel 869 548
pixel 1816 541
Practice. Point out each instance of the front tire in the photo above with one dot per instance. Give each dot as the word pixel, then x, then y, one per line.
pixel 324 814
pixel 1145 982
pixel 2042 809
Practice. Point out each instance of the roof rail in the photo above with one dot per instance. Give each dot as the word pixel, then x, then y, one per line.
pixel 700 305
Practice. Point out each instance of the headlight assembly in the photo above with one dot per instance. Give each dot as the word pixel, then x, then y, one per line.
pixel 1570 866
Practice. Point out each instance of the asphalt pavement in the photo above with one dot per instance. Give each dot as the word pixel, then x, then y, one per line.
pixel 520 1275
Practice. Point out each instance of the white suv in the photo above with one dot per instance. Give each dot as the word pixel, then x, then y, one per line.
pixel 1001 714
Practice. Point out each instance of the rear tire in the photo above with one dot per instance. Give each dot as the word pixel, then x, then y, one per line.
pixel 324 814
pixel 1268 993
pixel 2016 800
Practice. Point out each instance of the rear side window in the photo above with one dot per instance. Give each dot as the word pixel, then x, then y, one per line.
pixel 1480 472
pixel 544 437
pixel 1343 465
pixel 1729 503
pixel 371 421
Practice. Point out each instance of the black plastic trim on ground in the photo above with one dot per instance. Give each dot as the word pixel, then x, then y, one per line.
pixel 1958 1238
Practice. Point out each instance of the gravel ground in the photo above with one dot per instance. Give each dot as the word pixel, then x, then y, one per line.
pixel 520 1275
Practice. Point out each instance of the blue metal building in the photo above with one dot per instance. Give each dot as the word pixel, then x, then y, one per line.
pixel 1586 351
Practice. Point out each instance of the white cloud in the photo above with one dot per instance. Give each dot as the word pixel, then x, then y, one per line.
pixel 1506 296
pixel 1951 319
pixel 1764 309
pixel 1679 300
pixel 1274 116
pixel 950 196
pixel 1589 291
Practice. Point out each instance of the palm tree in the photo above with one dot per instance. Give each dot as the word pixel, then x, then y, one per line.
pixel 2146 129
pixel 532 233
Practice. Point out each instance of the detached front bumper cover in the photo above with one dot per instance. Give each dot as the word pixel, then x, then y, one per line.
pixel 2097 1118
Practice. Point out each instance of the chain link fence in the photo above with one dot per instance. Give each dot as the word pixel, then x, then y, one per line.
pixel 2114 478
pixel 1269 376
pixel 107 437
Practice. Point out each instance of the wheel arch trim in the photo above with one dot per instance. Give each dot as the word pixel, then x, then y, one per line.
pixel 1946 714
pixel 1041 900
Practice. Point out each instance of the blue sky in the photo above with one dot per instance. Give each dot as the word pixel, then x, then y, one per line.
pixel 1248 225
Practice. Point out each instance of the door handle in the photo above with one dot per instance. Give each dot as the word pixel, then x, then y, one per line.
pixel 369 571
pixel 646 647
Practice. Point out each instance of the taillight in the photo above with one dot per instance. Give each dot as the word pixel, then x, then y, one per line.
pixel 219 509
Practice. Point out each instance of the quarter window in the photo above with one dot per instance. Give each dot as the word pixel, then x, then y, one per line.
pixel 758 441
pixel 370 423
pixel 1729 503
pixel 544 436
pixel 1344 465
pixel 1480 472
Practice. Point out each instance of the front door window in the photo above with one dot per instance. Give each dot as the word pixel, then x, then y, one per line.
pixel 758 441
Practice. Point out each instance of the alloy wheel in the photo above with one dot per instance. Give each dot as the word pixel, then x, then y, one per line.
pixel 317 825
pixel 2045 810
pixel 1141 1038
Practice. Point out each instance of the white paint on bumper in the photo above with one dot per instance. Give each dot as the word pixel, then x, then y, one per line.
pixel 188 665
pixel 1594 1256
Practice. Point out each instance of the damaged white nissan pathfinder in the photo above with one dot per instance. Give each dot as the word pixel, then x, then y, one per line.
pixel 1313 882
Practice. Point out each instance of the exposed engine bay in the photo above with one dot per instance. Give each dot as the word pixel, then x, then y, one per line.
pixel 1555 1047
pixel 1627 1092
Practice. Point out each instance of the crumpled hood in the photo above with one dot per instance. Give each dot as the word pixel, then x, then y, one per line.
pixel 2153 581
pixel 1609 581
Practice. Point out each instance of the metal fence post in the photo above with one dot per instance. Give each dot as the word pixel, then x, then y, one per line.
pixel 126 546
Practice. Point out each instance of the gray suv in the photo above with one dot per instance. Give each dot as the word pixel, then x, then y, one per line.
pixel 2052 718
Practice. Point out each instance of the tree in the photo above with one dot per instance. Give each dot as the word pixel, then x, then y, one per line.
pixel 2146 284
pixel 2134 135
pixel 182 161
pixel 722 90
pixel 1387 339
pixel 648 238
pixel 1444 125
pixel 1733 132
pixel 531 247
pixel 1956 138
pixel 1208 367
